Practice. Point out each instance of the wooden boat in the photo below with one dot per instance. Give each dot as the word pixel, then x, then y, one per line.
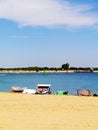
pixel 84 92
pixel 17 89
pixel 43 89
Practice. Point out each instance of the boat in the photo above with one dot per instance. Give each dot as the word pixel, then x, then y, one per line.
pixel 43 89
pixel 17 89
pixel 84 92
pixel 29 91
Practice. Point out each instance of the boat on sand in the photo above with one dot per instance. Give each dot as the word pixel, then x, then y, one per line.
pixel 16 89
pixel 43 89
pixel 29 91
pixel 84 92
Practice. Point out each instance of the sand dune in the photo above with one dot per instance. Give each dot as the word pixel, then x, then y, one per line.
pixel 47 112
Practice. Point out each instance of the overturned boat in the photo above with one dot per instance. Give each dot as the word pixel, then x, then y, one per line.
pixel 17 89
pixel 84 92
pixel 43 89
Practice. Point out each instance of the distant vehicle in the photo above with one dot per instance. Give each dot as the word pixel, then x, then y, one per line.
pixel 43 89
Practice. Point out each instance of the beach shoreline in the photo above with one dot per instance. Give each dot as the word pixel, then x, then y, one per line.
pixel 22 71
pixel 47 71
pixel 47 112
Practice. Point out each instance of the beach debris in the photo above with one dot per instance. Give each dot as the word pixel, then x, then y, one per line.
pixel 84 92
pixel 96 95
pixel 61 93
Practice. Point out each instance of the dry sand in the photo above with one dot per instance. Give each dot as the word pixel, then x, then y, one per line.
pixel 47 112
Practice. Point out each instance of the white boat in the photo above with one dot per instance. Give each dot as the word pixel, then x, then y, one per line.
pixel 43 89
pixel 29 91
pixel 16 89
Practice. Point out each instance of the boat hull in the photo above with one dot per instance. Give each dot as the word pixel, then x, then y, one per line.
pixel 84 92
pixel 16 89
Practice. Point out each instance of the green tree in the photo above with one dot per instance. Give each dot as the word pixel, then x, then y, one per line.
pixel 65 66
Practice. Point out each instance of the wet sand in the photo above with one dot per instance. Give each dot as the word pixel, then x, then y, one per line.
pixel 47 112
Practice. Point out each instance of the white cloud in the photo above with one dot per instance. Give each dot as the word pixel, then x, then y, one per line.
pixel 47 13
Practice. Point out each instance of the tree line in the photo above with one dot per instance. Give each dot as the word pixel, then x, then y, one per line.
pixel 63 67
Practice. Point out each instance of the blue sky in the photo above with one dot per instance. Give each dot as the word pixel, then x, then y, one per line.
pixel 48 33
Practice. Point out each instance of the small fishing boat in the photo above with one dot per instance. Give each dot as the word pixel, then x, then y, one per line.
pixel 84 92
pixel 43 89
pixel 17 89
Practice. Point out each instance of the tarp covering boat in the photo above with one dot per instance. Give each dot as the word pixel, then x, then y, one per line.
pixel 60 93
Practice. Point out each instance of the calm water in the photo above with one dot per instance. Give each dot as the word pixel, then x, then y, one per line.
pixel 58 81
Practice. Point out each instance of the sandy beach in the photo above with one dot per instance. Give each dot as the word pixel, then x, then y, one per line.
pixel 47 112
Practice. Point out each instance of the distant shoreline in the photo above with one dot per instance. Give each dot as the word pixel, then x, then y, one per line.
pixel 47 71
pixel 27 71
